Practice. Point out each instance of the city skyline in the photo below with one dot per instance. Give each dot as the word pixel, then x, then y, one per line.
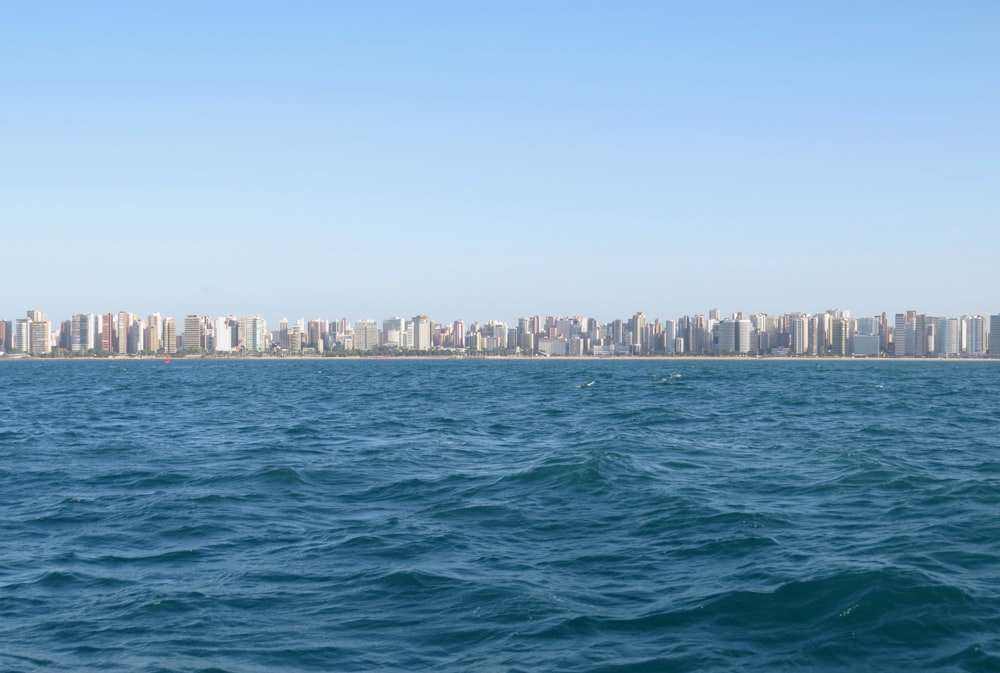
pixel 835 332
pixel 520 157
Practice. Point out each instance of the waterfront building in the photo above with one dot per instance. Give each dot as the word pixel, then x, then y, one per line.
pixel 255 339
pixel 22 335
pixel 169 336
pixel 421 333
pixel 366 335
pixel 840 337
pixel 949 341
pixel 316 331
pixel 122 323
pixel 725 337
pixel 638 327
pixel 223 333
pixel 993 347
pixel 107 332
pixel 798 328
pixel 744 336
pixel 39 337
pixel 394 333
pixel 154 331
pixel 865 345
pixel 6 335
pixel 192 333
pixel 527 341
pixel 135 343
pixel 81 333
pixel 495 329
pixel 670 337
pixel 920 332
pixel 977 336
pixel 550 346
pixel 899 336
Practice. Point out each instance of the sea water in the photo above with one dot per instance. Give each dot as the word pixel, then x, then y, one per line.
pixel 503 515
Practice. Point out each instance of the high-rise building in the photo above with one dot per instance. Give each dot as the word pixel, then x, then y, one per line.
pixel 153 333
pixel 366 335
pixel 840 342
pixel 6 335
pixel 136 337
pixel 638 326
pixel 421 333
pixel 255 339
pixel 169 336
pixel 949 342
pixel 744 336
pixel 81 333
pixel 124 320
pixel 40 337
pixel 192 333
pixel 920 331
pixel 317 328
pixel 725 337
pixel 899 333
pixel 798 328
pixel 107 332
pixel 994 336
pixel 977 336
pixel 223 335
pixel 670 336
pixel 22 335
pixel 393 333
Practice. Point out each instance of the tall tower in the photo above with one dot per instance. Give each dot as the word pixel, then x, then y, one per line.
pixel 798 328
pixel 192 333
pixel 39 333
pixel 841 336
pixel 994 336
pixel 153 333
pixel 121 332
pixel 421 333
pixel 639 344
pixel 169 336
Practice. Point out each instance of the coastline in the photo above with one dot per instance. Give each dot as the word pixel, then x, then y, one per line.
pixel 477 358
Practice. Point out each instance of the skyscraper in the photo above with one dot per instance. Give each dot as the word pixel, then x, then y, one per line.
pixel 977 336
pixel 6 335
pixel 122 323
pixel 255 340
pixel 366 335
pixel 994 337
pixel 840 342
pixel 40 337
pixel 192 333
pixel 421 333
pixel 169 336
pixel 798 328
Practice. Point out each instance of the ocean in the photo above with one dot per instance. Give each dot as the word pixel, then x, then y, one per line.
pixel 499 515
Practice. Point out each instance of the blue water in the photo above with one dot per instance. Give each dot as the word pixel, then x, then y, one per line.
pixel 324 515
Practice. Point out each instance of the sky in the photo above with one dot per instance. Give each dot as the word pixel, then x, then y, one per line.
pixel 484 161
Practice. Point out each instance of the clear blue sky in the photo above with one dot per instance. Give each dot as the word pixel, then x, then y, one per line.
pixel 491 160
